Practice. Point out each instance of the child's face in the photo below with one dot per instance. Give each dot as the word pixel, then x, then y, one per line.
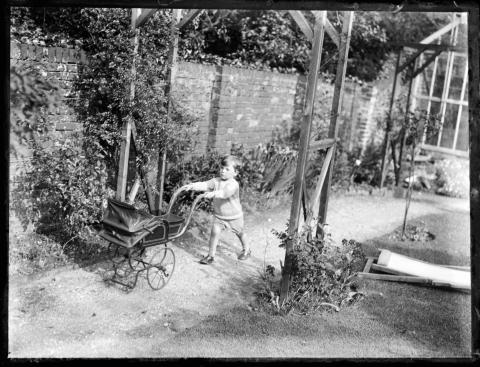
pixel 227 172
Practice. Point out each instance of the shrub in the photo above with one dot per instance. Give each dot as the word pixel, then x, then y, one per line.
pixel 451 177
pixel 322 274
pixel 65 184
pixel 30 96
pixel 268 168
pixel 62 191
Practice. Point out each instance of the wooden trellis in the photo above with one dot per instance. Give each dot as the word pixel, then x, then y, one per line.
pixel 314 210
pixel 140 16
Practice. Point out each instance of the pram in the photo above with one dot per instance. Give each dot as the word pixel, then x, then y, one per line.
pixel 132 235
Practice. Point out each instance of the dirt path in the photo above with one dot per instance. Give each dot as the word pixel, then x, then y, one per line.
pixel 73 313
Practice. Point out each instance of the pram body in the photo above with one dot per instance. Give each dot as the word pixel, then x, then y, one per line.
pixel 132 235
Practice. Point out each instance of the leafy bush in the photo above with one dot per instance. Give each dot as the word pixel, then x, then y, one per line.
pixel 322 274
pixel 66 183
pixel 62 191
pixel 452 178
pixel 268 168
pixel 31 95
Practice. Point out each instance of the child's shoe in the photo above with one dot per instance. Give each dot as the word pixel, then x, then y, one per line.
pixel 207 260
pixel 245 254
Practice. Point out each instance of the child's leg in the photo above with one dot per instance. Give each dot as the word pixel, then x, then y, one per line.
pixel 214 237
pixel 243 239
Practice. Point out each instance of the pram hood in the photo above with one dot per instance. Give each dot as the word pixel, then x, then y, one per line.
pixel 126 225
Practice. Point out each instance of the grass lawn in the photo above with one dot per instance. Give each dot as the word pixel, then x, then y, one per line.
pixel 392 320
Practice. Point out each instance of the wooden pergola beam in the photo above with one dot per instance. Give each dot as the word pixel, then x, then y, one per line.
pixel 172 63
pixel 306 127
pixel 302 23
pixel 441 31
pixel 409 61
pixel 414 58
pixel 336 107
pixel 427 62
pixel 144 16
pixel 306 28
pixel 331 31
pixel 128 124
pixel 139 18
pixel 388 128
pixel 147 13
pixel 187 18
pixel 434 47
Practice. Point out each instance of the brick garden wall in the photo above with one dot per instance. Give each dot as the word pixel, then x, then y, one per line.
pixel 232 105
pixel 235 105
pixel 239 106
pixel 61 65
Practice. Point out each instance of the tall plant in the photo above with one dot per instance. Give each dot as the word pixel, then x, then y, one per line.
pixel 416 125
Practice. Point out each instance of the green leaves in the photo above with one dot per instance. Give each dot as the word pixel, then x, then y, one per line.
pixel 321 271
pixel 61 187
pixel 31 95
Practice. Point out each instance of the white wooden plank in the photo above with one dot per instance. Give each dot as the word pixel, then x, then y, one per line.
pixel 423 269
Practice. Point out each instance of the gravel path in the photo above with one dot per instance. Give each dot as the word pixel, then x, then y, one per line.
pixel 71 312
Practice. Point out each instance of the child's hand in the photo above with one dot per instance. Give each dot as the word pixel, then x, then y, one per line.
pixel 209 195
pixel 188 186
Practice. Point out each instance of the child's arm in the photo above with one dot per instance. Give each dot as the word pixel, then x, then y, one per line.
pixel 200 186
pixel 223 193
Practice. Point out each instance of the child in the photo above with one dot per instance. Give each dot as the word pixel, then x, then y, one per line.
pixel 227 209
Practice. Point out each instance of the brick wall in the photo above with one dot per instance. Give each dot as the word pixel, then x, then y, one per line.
pixel 61 65
pixel 232 105
pixel 247 107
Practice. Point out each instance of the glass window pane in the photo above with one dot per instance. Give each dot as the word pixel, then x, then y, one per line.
pixel 425 77
pixel 448 127
pixel 456 81
pixel 462 138
pixel 432 138
pixel 440 76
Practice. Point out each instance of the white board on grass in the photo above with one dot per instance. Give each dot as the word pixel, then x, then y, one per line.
pixel 437 273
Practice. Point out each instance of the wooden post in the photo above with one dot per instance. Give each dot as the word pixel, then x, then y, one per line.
pixel 404 129
pixel 317 46
pixel 127 125
pixel 474 129
pixel 336 104
pixel 172 56
pixel 389 123
pixel 353 118
pixel 318 190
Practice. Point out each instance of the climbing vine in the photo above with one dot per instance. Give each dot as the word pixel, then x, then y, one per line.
pixel 68 179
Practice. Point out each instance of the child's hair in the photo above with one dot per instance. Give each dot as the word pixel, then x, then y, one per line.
pixel 230 160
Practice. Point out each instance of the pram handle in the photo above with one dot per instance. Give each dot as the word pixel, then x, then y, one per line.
pixel 194 204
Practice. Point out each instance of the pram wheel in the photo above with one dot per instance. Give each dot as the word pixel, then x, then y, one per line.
pixel 135 259
pixel 162 265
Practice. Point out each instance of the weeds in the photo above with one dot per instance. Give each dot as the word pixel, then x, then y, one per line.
pixel 417 233
pixel 322 277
